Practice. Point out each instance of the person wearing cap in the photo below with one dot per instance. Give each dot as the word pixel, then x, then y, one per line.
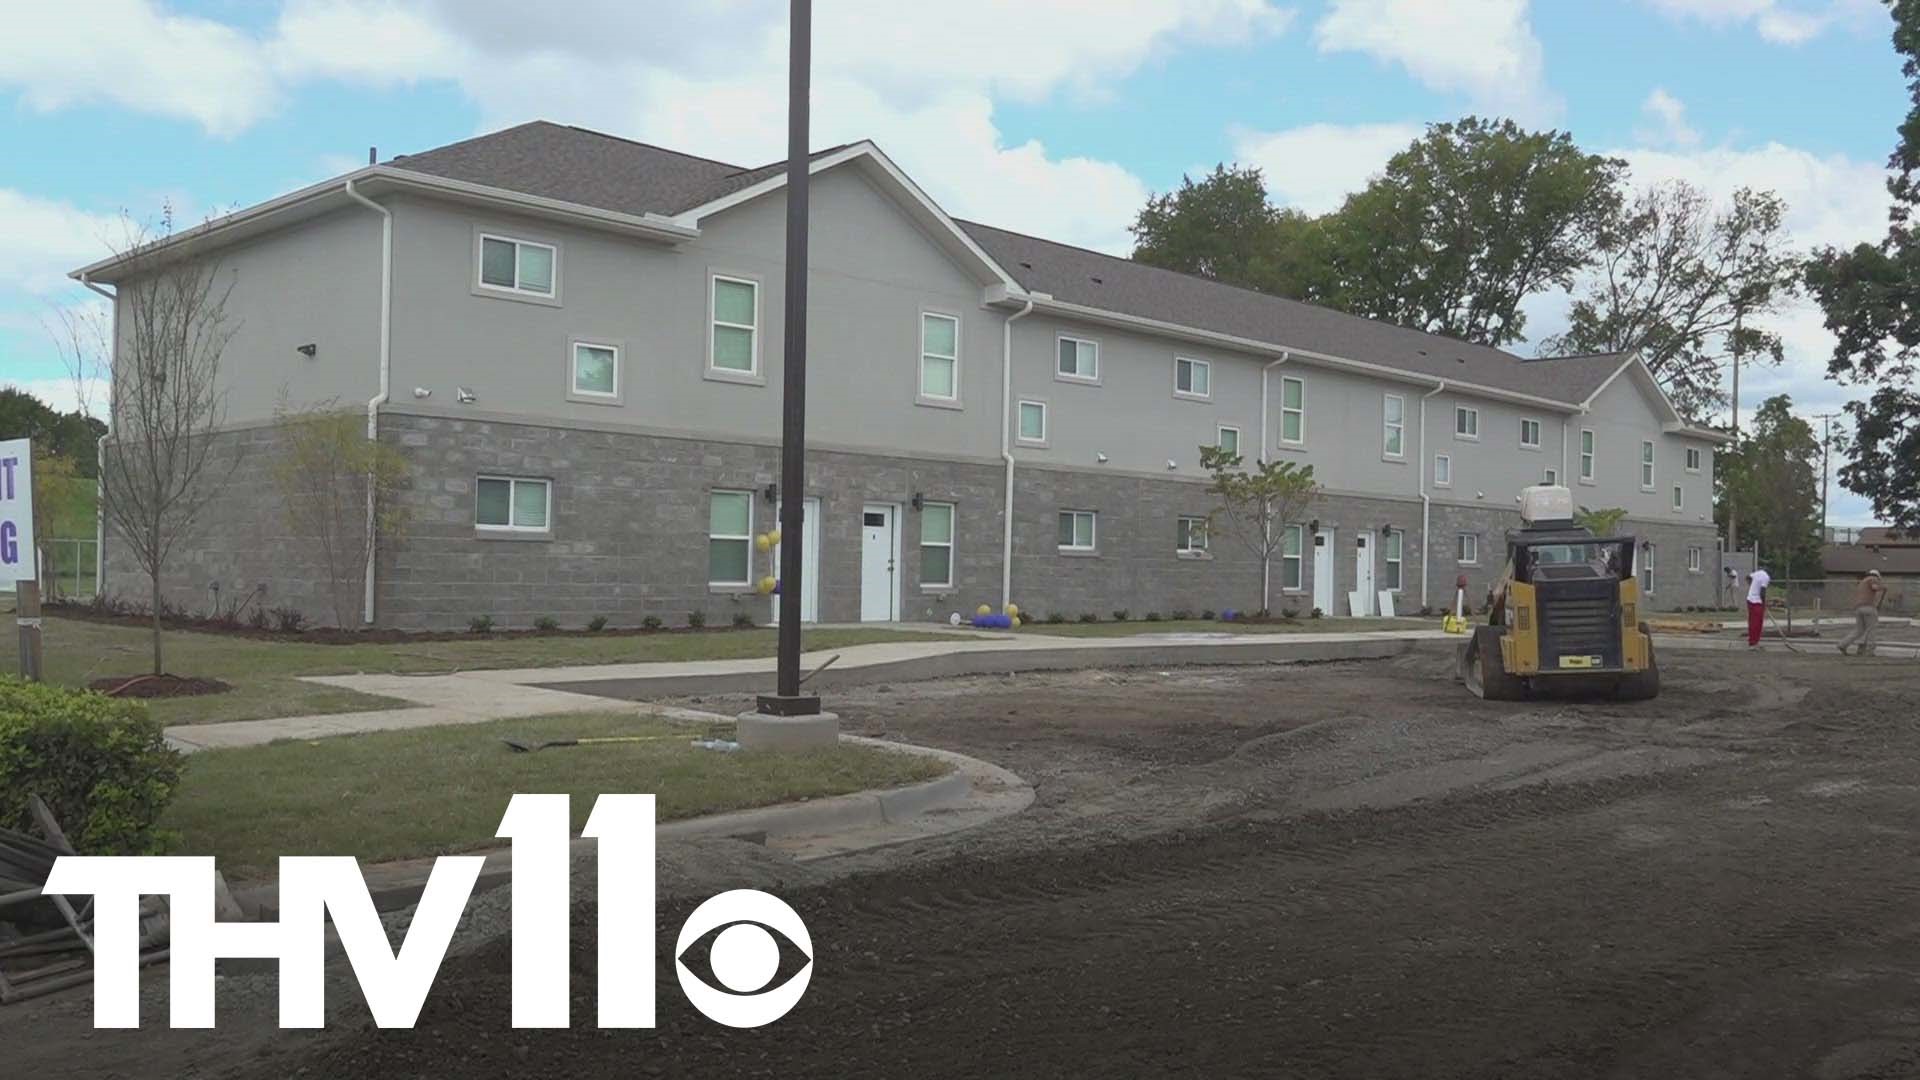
pixel 1866 613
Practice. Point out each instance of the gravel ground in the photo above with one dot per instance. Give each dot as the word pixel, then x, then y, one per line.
pixel 1329 870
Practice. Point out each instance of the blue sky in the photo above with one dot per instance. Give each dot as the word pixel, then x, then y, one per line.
pixel 1052 116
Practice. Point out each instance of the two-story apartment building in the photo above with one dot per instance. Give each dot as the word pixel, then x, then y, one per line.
pixel 575 341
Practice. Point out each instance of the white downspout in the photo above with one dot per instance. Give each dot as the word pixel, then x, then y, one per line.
pixel 1426 498
pixel 1006 451
pixel 1266 564
pixel 100 447
pixel 379 399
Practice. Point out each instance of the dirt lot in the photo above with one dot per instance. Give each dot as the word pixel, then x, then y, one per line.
pixel 1337 870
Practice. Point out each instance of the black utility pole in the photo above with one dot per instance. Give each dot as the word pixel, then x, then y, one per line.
pixel 787 700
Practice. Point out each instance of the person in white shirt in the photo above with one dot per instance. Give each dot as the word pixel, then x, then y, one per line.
pixel 1757 605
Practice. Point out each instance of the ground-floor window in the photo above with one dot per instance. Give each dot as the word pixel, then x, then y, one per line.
pixel 730 538
pixel 1190 536
pixel 936 545
pixel 1291 544
pixel 1395 542
pixel 1646 569
pixel 1076 530
pixel 513 504
pixel 1469 548
pixel 1693 560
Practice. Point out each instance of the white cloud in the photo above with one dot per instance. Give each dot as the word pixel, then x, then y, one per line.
pixel 1669 115
pixel 1483 49
pixel 62 395
pixel 1314 167
pixel 1780 23
pixel 46 239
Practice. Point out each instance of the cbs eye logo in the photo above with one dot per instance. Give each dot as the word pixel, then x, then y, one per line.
pixel 737 937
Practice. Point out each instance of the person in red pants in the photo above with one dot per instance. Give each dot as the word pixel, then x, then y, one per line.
pixel 1757 605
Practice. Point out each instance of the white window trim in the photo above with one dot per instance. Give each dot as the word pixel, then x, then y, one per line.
pixel 1198 365
pixel 921 397
pixel 594 397
pixel 513 292
pixel 1190 552
pixel 1300 561
pixel 513 483
pixel 1694 559
pixel 1589 459
pixel 1087 380
pixel 1387 425
pixel 1237 437
pixel 1695 458
pixel 1302 410
pixel 1645 570
pixel 951 544
pixel 1649 476
pixel 1093 531
pixel 747 536
pixel 1466 410
pixel 1437 459
pixel 1539 432
pixel 753 376
pixel 1679 499
pixel 1386 548
pixel 1461 541
pixel 1550 477
pixel 1045 422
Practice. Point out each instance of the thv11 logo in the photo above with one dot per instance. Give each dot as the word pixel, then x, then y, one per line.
pixel 743 955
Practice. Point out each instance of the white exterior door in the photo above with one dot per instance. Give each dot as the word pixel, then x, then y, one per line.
pixel 1363 571
pixel 1323 571
pixel 810 564
pixel 879 556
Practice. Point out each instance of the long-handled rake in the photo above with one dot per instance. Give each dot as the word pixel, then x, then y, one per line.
pixel 528 746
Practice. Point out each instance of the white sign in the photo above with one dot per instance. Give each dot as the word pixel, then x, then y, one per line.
pixel 17 561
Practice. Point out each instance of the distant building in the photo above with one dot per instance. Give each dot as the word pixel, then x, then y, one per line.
pixel 1893 552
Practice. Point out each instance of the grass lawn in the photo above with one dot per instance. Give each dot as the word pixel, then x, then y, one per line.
pixel 264 673
pixel 431 791
pixel 1193 626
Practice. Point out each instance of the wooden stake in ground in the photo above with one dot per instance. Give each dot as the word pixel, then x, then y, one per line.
pixel 28 617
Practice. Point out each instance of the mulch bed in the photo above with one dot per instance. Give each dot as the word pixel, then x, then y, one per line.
pixel 157 686
pixel 327 635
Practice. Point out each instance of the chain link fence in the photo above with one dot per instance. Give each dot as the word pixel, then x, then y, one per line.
pixel 69 569
pixel 1833 597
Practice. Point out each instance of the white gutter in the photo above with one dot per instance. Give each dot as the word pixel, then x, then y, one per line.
pixel 1426 499
pixel 100 446
pixel 1266 563
pixel 1006 451
pixel 379 399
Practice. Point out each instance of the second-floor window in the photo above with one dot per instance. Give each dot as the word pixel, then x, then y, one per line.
pixel 1293 411
pixel 595 372
pixel 939 357
pixel 1646 466
pixel 1079 359
pixel 1679 499
pixel 734 340
pixel 1076 530
pixel 520 266
pixel 1192 378
pixel 1693 459
pixel 1442 470
pixel 1586 455
pixel 1394 437
pixel 1466 422
pixel 1530 434
pixel 1033 422
pixel 1228 440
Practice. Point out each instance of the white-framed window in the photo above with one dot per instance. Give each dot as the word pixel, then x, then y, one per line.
pixel 517 266
pixel 1190 535
pixel 1551 477
pixel 1076 530
pixel 1393 436
pixel 936 546
pixel 1693 559
pixel 1293 410
pixel 1192 378
pixel 1646 465
pixel 1679 498
pixel 1469 548
pixel 1529 434
pixel 1033 423
pixel 1693 459
pixel 733 327
pixel 594 372
pixel 1396 546
pixel 1586 455
pixel 1466 422
pixel 1078 359
pixel 1292 543
pixel 939 357
pixel 1646 569
pixel 512 504
pixel 730 538
pixel 1228 439
pixel 1442 470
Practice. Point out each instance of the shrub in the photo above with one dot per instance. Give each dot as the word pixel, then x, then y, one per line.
pixel 742 620
pixel 1316 613
pixel 696 619
pixel 546 622
pixel 1209 615
pixel 101 764
pixel 597 623
pixel 258 620
pixel 480 624
pixel 1263 613
pixel 652 622
pixel 288 620
pixel 1289 613
pixel 1120 615
pixel 1089 617
pixel 1056 618
pixel 1153 616
pixel 1181 614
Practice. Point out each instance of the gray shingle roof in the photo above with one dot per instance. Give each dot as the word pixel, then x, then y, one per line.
pixel 610 173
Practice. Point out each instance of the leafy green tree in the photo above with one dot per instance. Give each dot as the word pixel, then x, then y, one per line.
pixel 1602 522
pixel 1683 286
pixel 1871 296
pixel 1219 227
pixel 71 435
pixel 1772 474
pixel 1257 505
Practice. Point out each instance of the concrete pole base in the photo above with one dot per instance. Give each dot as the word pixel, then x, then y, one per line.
pixel 759 731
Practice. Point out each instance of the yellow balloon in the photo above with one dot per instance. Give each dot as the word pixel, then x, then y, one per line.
pixel 763 542
pixel 773 537
pixel 984 609
pixel 1016 622
pixel 766 585
pixel 1014 610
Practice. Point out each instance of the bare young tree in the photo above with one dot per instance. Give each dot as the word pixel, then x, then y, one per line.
pixel 328 474
pixel 159 353
pixel 1256 507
